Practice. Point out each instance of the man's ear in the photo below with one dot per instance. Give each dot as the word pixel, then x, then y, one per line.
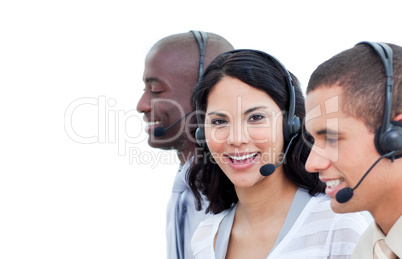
pixel 398 117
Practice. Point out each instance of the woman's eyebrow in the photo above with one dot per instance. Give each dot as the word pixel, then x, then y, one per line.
pixel 220 114
pixel 245 113
pixel 253 109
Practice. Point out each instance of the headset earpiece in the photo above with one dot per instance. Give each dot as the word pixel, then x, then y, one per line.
pixel 200 137
pixel 391 140
pixel 388 137
pixel 291 128
pixel 291 123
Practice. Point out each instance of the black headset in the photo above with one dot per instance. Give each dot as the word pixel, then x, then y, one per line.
pixel 388 137
pixel 291 123
pixel 201 38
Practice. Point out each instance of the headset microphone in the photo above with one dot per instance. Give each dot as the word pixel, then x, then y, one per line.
pixel 160 131
pixel 346 194
pixel 269 169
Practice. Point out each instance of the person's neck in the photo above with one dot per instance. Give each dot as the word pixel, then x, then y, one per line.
pixel 388 212
pixel 269 199
pixel 185 153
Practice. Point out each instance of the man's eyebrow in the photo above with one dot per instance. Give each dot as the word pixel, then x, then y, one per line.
pixel 327 131
pixel 151 79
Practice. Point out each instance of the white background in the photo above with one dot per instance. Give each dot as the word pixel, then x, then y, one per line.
pixel 60 198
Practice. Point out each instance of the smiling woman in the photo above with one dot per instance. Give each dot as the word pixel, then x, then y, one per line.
pixel 243 142
pixel 251 107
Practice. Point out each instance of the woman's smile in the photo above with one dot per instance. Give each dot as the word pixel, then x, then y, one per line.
pixel 242 126
pixel 240 162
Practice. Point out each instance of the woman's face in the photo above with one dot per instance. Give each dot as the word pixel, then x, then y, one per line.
pixel 243 130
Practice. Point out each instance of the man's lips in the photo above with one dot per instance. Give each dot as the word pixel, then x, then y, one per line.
pixel 152 123
pixel 333 185
pixel 149 125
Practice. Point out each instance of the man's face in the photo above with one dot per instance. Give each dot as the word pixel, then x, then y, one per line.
pixel 343 151
pixel 166 98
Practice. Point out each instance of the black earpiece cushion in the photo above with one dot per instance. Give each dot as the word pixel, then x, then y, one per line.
pixel 296 125
pixel 390 141
pixel 200 137
pixel 289 130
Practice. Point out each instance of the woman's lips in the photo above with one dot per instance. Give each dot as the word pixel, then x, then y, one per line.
pixel 239 162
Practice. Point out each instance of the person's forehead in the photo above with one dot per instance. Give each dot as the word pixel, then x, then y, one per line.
pixel 177 50
pixel 327 97
pixel 171 60
pixel 159 64
pixel 232 92
pixel 323 105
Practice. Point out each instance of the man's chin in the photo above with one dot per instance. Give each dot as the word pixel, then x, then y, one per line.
pixel 341 207
pixel 160 144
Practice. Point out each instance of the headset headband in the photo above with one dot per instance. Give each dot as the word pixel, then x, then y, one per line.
pixel 385 53
pixel 201 38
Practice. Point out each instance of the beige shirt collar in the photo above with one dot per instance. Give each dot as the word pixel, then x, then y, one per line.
pixel 394 237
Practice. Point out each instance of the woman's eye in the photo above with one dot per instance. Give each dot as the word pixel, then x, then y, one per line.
pixel 256 117
pixel 218 122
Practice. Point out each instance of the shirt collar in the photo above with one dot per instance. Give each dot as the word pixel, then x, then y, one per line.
pixel 180 183
pixel 393 239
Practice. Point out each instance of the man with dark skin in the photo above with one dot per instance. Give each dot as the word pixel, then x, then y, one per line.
pixel 171 72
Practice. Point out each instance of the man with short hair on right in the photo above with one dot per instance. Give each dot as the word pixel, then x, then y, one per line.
pixel 354 114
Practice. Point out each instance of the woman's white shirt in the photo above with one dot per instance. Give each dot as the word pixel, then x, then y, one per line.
pixel 318 232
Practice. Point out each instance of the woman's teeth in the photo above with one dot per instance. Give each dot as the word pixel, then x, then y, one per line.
pixel 333 183
pixel 242 157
